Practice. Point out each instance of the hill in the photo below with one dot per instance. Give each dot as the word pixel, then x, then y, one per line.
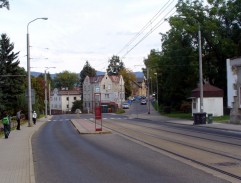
pixel 36 74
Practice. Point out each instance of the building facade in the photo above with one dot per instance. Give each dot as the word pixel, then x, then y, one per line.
pixel 234 89
pixel 61 101
pixel 139 87
pixel 111 89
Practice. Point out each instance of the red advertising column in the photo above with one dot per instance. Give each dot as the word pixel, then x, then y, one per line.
pixel 98 114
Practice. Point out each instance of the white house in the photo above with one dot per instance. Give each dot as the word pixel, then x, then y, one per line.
pixel 111 88
pixel 212 100
pixel 61 101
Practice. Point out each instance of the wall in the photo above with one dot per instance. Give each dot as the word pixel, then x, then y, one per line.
pixel 212 105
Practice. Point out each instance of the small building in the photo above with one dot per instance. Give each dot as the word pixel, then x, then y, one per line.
pixel 61 101
pixel 212 100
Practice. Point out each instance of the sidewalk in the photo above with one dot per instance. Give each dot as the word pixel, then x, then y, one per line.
pixel 155 116
pixel 16 155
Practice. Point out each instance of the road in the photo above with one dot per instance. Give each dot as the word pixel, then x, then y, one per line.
pixel 61 154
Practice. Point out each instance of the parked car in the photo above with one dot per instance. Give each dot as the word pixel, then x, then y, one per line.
pixel 125 106
pixel 143 102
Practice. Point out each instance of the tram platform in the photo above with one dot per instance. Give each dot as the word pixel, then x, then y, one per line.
pixel 84 126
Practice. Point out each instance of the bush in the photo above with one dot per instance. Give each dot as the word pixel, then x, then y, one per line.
pixel 186 107
pixel 167 109
pixel 120 111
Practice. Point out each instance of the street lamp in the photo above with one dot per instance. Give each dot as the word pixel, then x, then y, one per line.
pixel 200 64
pixel 157 91
pixel 200 69
pixel 45 89
pixel 29 76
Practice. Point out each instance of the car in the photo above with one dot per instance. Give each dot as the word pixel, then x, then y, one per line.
pixel 125 106
pixel 143 102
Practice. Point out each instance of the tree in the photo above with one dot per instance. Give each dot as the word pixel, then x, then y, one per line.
pixel 86 71
pixel 66 79
pixel 115 65
pixel 177 63
pixel 4 3
pixel 12 77
pixel 78 104
pixel 39 87
pixel 128 77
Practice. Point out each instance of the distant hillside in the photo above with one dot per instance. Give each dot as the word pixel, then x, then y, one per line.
pixel 36 74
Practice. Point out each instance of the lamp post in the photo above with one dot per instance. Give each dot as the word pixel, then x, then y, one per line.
pixel 200 64
pixel 200 68
pixel 45 89
pixel 157 91
pixel 29 76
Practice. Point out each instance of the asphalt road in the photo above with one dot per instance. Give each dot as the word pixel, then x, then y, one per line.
pixel 62 155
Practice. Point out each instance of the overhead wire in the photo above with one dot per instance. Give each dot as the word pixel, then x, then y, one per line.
pixel 149 32
pixel 149 23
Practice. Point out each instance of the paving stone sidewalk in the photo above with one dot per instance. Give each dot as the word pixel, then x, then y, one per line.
pixel 16 164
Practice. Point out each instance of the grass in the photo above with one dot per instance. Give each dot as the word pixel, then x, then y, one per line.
pixel 188 116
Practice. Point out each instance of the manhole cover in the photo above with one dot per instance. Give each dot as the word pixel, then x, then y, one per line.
pixel 226 164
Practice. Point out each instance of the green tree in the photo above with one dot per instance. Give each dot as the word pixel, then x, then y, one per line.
pixel 39 88
pixel 4 3
pixel 87 71
pixel 115 65
pixel 66 79
pixel 12 77
pixel 78 104
pixel 128 77
pixel 220 27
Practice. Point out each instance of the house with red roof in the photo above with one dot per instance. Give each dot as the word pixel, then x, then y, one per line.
pixel 212 100
pixel 111 89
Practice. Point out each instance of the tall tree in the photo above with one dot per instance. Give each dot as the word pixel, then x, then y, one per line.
pixel 12 77
pixel 128 77
pixel 66 79
pixel 4 3
pixel 115 65
pixel 87 71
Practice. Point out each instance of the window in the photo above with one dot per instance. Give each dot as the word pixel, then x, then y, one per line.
pixel 67 98
pixel 107 96
pixel 74 98
pixel 67 106
pixel 194 104
pixel 109 87
pixel 103 86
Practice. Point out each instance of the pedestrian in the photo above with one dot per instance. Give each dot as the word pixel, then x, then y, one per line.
pixel 6 124
pixel 18 119
pixel 34 117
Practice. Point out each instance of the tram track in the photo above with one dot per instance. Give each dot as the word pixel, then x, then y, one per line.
pixel 226 140
pixel 167 145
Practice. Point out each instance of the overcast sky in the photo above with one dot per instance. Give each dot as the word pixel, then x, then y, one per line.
pixel 81 30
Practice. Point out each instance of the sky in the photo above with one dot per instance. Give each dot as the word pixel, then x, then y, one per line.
pixel 82 30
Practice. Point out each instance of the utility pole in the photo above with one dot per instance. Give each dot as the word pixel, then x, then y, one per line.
pixel 148 88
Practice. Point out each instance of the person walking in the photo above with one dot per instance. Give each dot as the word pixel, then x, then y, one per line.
pixel 6 124
pixel 34 117
pixel 18 119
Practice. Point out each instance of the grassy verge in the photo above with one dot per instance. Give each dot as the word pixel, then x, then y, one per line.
pixel 188 116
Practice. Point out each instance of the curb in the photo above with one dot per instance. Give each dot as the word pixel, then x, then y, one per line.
pixel 83 131
pixel 31 164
